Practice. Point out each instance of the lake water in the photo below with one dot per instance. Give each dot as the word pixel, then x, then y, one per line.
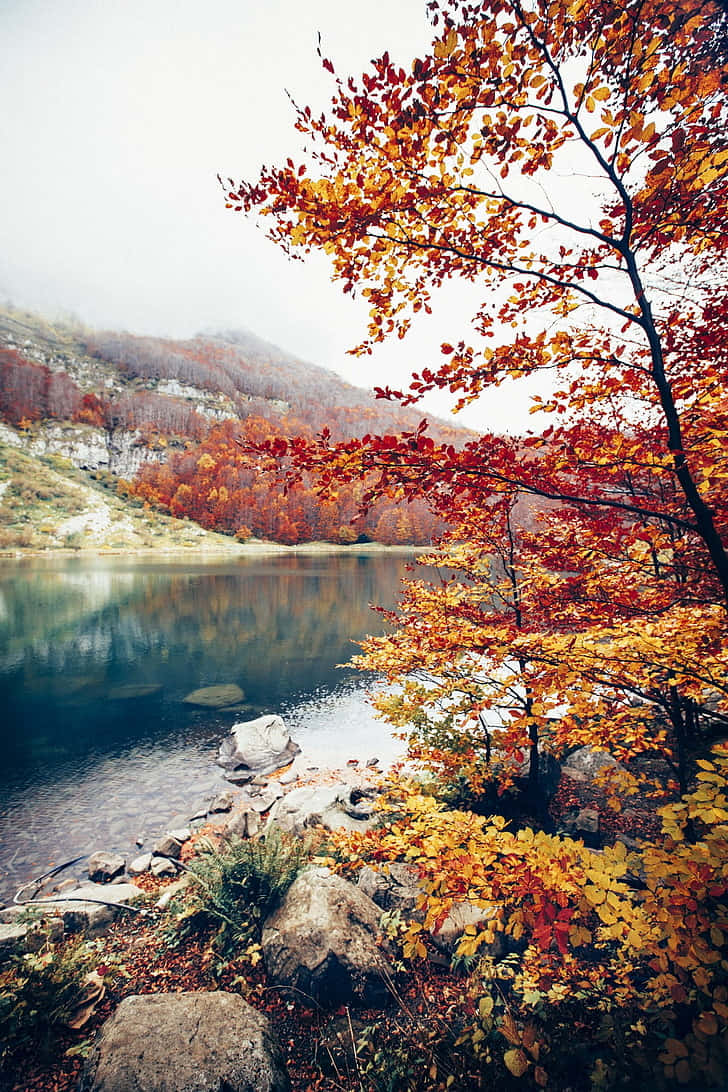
pixel 96 655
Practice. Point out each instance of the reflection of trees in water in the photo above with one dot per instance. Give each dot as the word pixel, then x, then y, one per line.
pixel 251 623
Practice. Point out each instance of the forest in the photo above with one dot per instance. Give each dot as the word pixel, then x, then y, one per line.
pixel 214 397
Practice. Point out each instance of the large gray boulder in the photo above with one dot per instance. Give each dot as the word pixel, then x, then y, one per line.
pixel 587 763
pixel 324 941
pixel 331 806
pixel 256 747
pixel 185 1042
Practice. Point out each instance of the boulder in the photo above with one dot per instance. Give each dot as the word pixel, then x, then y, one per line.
pixel 85 908
pixel 393 887
pixel 185 1042
pixel 103 866
pixel 256 747
pixel 216 697
pixel 163 866
pixel 140 864
pixel 169 845
pixel 330 806
pixel 461 916
pixel 222 802
pixel 586 763
pixel 324 941
pixel 243 824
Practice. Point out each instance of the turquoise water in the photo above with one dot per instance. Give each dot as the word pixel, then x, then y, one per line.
pixel 96 655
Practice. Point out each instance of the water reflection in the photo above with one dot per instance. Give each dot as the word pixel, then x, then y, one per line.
pixel 96 657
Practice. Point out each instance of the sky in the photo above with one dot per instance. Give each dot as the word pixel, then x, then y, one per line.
pixel 117 118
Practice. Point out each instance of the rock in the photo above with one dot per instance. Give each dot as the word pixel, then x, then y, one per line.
pixel 140 864
pixel 588 819
pixel 133 690
pixel 267 799
pixel 12 940
pixel 84 909
pixel 244 824
pixel 163 866
pixel 461 916
pixel 185 1042
pixel 168 846
pixel 324 941
pixel 223 802
pixel 395 887
pixel 586 763
pixel 181 834
pixel 171 892
pixel 330 806
pixel 256 747
pixel 103 867
pixel 288 777
pixel 371 763
pixel 215 697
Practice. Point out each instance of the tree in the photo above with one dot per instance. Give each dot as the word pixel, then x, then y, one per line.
pixel 612 280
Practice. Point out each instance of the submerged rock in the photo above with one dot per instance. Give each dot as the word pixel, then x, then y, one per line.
pixel 185 1042
pixel 256 747
pixel 216 697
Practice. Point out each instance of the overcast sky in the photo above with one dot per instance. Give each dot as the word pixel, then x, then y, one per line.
pixel 116 119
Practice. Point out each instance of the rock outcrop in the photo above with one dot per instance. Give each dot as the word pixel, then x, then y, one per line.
pixel 324 940
pixel 185 1042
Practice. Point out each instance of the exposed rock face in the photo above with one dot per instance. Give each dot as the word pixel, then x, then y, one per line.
pixel 103 866
pixel 256 747
pixel 330 806
pixel 324 940
pixel 216 697
pixel 185 1042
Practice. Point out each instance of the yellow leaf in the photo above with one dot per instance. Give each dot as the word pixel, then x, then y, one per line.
pixel 516 1062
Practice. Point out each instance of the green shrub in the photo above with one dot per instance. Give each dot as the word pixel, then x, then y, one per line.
pixel 38 993
pixel 239 886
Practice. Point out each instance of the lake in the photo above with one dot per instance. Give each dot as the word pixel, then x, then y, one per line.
pixel 97 654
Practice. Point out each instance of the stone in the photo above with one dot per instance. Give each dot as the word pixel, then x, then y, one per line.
pixel 586 763
pixel 215 697
pixel 201 1042
pixel 103 866
pixel 288 777
pixel 140 864
pixel 244 824
pixel 324 940
pixel 256 747
pixel 12 940
pixel 265 801
pixel 129 691
pixel 86 909
pixel 181 834
pixel 371 763
pixel 394 887
pixel 223 802
pixel 588 820
pixel 171 892
pixel 163 866
pixel 330 806
pixel 168 846
pixel 461 916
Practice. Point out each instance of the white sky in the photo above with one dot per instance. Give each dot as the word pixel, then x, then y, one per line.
pixel 117 117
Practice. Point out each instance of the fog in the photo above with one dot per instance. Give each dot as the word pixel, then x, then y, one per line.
pixel 117 119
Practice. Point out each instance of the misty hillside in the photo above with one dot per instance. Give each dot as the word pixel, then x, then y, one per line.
pixel 146 410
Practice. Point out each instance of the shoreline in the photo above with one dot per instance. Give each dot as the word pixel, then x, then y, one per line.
pixel 199 552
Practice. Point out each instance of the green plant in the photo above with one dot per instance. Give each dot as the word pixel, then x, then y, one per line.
pixel 239 886
pixel 39 992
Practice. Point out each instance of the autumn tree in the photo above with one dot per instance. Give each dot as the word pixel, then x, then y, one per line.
pixel 568 163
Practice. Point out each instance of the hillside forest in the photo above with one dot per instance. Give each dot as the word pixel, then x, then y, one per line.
pixel 195 409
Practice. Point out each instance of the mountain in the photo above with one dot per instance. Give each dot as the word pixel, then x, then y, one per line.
pixel 161 415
